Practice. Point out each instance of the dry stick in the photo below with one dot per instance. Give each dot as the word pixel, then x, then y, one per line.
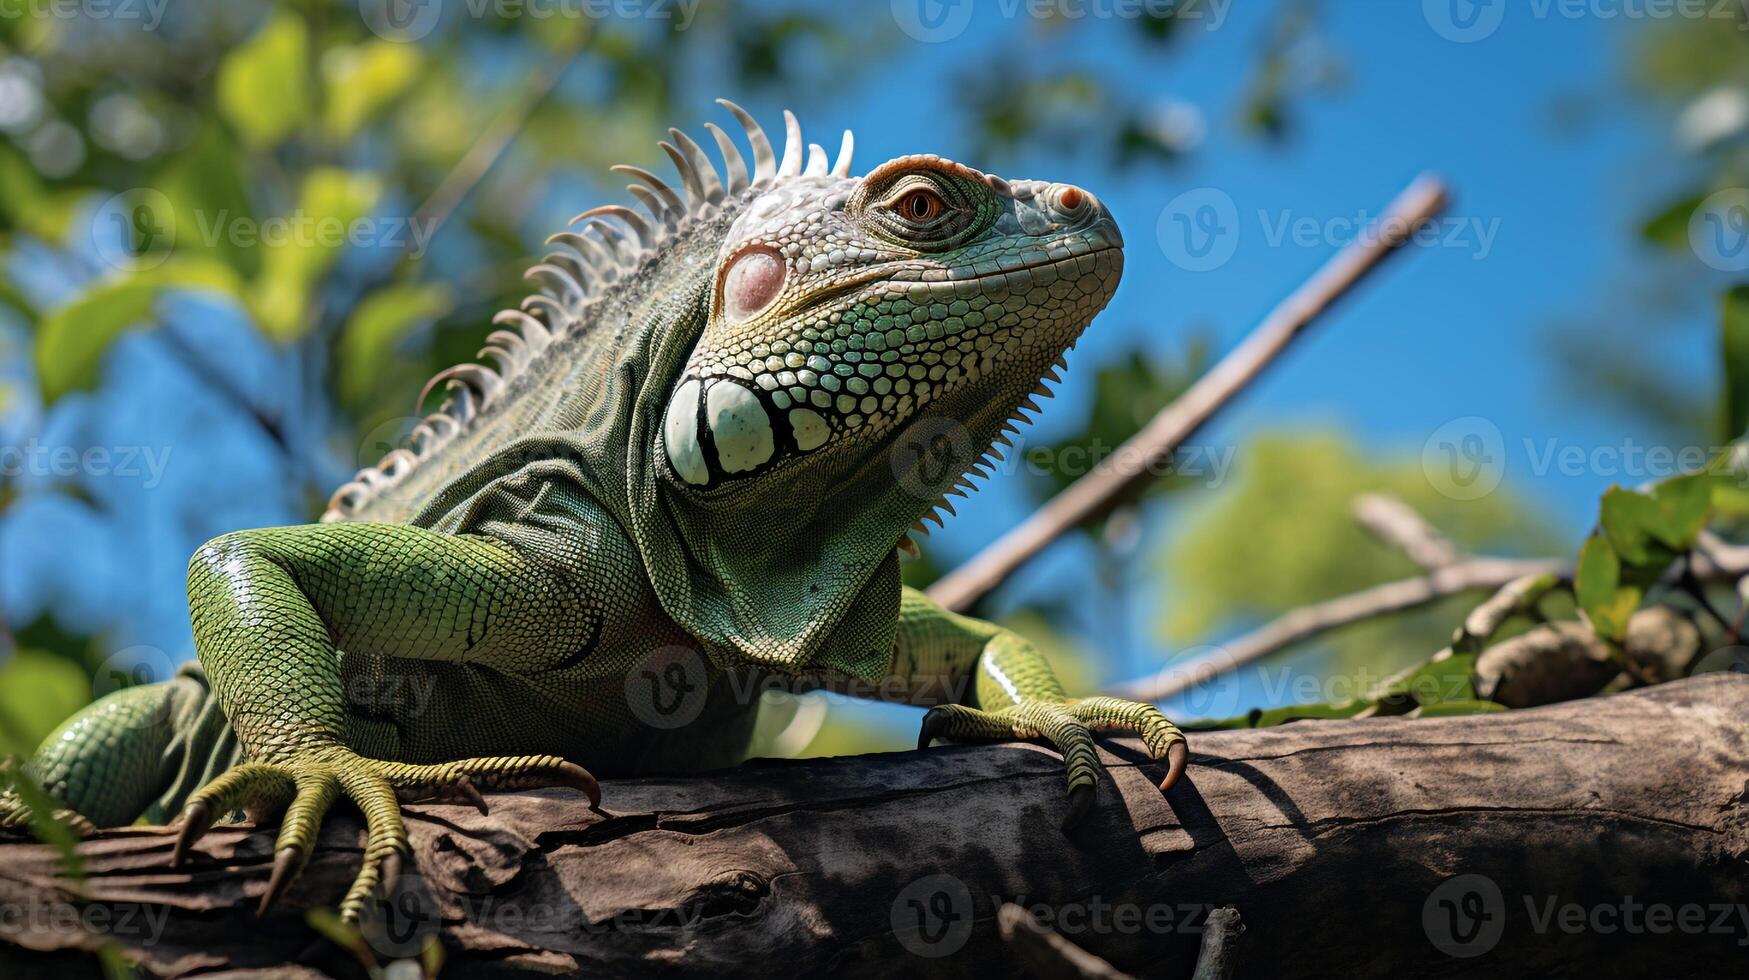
pixel 1216 959
pixel 1713 561
pixel 491 144
pixel 1306 622
pixel 1047 953
pixel 1397 524
pixel 1087 497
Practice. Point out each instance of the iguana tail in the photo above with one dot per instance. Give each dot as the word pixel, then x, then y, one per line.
pixel 138 752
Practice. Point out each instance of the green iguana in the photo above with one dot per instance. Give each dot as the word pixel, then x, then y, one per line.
pixel 697 453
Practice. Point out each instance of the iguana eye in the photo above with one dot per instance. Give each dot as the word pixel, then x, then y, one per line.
pixel 752 280
pixel 921 205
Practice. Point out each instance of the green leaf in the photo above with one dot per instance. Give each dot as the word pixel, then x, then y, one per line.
pixel 376 326
pixel 263 84
pixel 330 203
pixel 360 81
pixel 72 339
pixel 1669 227
pixel 1684 504
pixel 1607 603
pixel 38 691
pixel 1445 679
pixel 209 200
pixel 1734 350
pixel 1629 518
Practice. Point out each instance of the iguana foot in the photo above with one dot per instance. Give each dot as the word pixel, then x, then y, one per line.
pixel 1069 725
pixel 306 785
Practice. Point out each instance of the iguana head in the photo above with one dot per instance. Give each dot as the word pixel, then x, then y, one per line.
pixel 766 377
pixel 847 311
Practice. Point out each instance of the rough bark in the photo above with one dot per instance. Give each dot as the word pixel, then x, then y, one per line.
pixel 1335 842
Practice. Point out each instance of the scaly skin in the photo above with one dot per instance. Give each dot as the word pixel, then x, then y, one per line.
pixel 710 434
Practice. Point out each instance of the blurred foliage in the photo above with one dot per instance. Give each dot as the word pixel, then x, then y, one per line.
pixel 1283 534
pixel 1694 73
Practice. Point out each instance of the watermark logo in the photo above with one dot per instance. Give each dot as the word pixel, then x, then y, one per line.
pixel 932 21
pixel 135 666
pixel 1718 231
pixel 932 916
pixel 1213 688
pixel 408 917
pixel 668 688
pixel 1199 229
pixel 385 438
pixel 1465 458
pixel 1464 21
pixel 401 20
pixel 1464 916
pixel 931 455
pixel 1733 659
pixel 134 230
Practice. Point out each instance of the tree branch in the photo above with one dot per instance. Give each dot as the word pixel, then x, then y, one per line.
pixel 1397 524
pixel 1353 849
pixel 1091 495
pixel 1308 622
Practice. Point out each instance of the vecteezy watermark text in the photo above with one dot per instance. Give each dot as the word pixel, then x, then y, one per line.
pixel 1201 229
pixel 33 459
pixel 936 21
pixel 147 13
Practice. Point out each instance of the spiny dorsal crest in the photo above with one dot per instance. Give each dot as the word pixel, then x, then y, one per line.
pixel 613 242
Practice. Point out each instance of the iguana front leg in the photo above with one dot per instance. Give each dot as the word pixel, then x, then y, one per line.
pixel 1014 694
pixel 272 607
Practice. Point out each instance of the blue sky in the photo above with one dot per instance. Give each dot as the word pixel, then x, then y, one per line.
pixel 1442 333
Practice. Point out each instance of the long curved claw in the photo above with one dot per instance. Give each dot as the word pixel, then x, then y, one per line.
pixel 391 873
pixel 935 722
pixel 1080 804
pixel 287 862
pixel 578 778
pixel 197 819
pixel 1177 756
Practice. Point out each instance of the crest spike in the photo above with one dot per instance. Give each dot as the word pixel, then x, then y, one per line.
pixel 816 161
pixel 655 183
pixel 845 149
pixel 557 277
pixel 533 330
pixel 640 226
pixel 689 179
pixel 732 163
pixel 792 146
pixel 764 160
pixel 668 219
pixel 709 182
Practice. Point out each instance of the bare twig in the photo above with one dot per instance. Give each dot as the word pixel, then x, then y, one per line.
pixel 1215 960
pixel 1049 954
pixel 1094 493
pixel 1307 622
pixel 491 144
pixel 1516 581
pixel 1398 525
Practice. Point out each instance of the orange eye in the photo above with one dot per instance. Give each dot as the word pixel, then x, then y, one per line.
pixel 921 205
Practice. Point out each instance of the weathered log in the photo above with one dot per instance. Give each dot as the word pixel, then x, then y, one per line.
pixel 1607 837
